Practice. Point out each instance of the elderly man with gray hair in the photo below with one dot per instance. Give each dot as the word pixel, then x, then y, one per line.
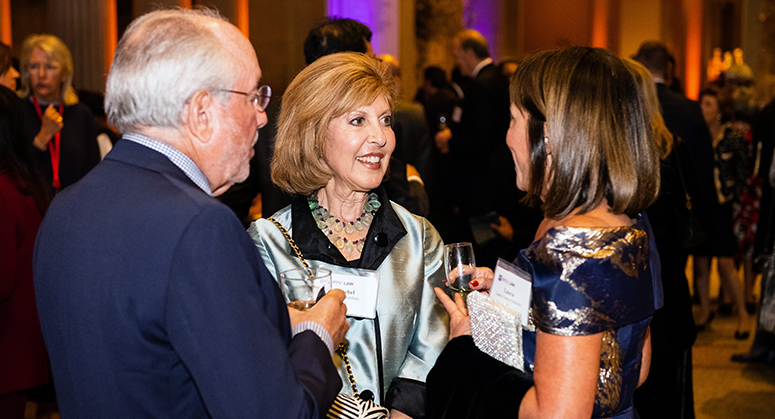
pixel 153 300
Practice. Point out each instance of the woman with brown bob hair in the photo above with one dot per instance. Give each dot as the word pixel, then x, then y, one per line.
pixel 583 145
pixel 333 145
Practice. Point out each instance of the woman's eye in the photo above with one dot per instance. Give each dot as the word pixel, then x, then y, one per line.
pixel 358 121
pixel 387 120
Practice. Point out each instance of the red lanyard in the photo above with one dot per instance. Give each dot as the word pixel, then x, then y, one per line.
pixel 53 146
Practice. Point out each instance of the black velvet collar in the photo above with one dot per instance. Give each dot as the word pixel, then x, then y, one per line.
pixel 385 231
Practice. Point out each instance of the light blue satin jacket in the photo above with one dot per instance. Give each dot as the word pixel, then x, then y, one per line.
pixel 413 325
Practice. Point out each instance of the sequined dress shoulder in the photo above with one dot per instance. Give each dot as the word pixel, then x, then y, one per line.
pixel 595 280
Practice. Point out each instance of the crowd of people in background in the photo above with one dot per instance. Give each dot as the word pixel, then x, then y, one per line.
pixel 362 179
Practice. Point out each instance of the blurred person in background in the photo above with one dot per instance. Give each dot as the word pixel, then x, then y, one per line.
pixel 8 74
pixel 729 176
pixel 24 198
pixel 61 130
pixel 669 391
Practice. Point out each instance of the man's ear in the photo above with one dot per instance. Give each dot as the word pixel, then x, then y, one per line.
pixel 199 115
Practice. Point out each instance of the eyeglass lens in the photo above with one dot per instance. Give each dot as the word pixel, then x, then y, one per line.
pixel 264 94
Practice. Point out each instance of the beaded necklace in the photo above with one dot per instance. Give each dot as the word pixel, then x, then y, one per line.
pixel 332 226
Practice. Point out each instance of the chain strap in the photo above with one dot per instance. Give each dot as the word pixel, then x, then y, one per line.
pixel 342 351
pixel 293 246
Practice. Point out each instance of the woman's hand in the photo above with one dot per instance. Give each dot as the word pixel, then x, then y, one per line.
pixel 50 125
pixel 442 140
pixel 482 280
pixel 459 322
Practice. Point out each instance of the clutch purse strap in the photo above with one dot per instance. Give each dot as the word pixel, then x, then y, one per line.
pixel 342 351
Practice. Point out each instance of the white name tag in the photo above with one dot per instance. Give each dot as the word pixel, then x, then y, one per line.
pixel 361 289
pixel 511 286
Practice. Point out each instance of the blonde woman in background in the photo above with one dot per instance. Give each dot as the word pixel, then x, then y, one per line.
pixel 61 130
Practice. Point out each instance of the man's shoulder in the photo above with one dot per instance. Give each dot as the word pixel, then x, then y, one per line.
pixel 492 81
pixel 672 99
pixel 490 74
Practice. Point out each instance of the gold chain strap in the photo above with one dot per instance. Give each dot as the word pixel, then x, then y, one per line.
pixel 293 246
pixel 342 351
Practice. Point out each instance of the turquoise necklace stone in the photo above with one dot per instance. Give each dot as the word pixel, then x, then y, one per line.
pixel 332 226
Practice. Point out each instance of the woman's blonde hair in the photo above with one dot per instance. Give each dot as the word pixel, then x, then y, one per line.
pixel 584 103
pixel 328 88
pixel 57 51
pixel 643 77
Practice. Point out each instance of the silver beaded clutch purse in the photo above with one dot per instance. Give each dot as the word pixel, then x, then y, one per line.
pixel 496 329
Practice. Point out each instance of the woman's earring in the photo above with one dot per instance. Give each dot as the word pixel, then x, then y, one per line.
pixel 546 145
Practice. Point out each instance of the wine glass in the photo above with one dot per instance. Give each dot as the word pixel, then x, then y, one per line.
pixel 301 290
pixel 460 265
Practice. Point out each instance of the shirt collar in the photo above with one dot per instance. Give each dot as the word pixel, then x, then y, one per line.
pixel 177 158
pixel 480 66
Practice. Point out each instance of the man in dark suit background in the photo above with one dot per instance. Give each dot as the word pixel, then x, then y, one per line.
pixel 668 392
pixel 473 136
pixel 153 300
pixel 683 118
pixel 481 176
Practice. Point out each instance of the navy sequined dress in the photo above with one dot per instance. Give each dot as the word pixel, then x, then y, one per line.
pixel 597 280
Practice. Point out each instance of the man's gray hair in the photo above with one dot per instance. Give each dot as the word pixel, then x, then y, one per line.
pixel 163 58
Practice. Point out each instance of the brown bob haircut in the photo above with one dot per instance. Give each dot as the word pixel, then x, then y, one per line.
pixel 327 89
pixel 599 132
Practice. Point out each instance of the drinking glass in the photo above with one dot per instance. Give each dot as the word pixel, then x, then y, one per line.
pixel 460 266
pixel 300 290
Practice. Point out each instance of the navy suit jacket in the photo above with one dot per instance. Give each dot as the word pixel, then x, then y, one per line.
pixel 155 303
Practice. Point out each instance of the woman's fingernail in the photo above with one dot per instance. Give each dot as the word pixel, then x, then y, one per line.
pixel 474 283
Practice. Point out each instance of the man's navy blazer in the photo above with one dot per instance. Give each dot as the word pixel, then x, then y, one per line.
pixel 155 303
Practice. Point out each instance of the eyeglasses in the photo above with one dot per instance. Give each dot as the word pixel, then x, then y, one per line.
pixel 260 98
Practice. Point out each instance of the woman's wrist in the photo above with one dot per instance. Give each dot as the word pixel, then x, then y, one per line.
pixel 39 144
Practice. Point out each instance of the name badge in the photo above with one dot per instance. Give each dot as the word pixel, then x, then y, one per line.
pixel 361 289
pixel 512 286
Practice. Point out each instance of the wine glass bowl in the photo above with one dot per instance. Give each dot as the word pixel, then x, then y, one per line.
pixel 300 289
pixel 460 266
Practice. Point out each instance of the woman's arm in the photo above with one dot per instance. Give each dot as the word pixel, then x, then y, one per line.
pixel 566 375
pixel 646 358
